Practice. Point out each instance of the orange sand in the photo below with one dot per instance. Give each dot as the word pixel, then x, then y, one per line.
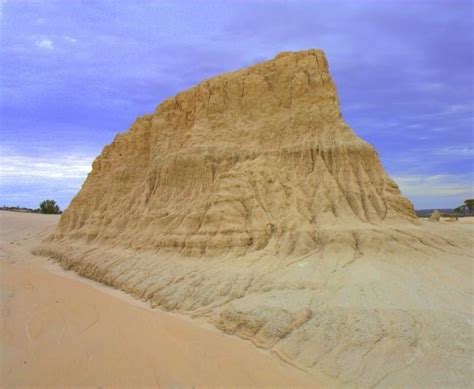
pixel 58 329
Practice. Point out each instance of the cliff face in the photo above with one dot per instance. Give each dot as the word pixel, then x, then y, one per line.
pixel 258 158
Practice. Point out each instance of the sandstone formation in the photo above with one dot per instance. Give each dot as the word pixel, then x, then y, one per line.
pixel 248 200
pixel 258 158
pixel 435 216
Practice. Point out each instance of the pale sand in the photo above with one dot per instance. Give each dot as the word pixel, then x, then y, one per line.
pixel 59 329
pixel 393 310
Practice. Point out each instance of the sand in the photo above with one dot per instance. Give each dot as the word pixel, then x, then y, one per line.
pixel 394 309
pixel 59 329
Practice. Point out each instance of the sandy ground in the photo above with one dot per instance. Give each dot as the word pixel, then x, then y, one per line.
pixel 461 220
pixel 375 306
pixel 59 329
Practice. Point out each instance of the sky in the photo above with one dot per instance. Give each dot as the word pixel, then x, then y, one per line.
pixel 75 73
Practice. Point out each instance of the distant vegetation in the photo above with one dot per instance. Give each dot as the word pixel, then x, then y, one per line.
pixel 467 209
pixel 428 212
pixel 46 207
pixel 49 207
pixel 20 209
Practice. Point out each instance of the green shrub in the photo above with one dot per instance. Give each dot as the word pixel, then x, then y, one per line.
pixel 49 207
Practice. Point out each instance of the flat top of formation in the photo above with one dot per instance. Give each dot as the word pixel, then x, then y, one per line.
pixel 274 104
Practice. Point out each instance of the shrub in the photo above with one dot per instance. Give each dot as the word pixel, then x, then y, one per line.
pixel 49 207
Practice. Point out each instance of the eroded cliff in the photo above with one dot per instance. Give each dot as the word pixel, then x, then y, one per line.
pixel 258 158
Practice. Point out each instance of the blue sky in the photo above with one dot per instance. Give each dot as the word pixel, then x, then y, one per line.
pixel 75 73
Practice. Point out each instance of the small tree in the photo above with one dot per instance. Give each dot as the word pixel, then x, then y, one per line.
pixel 469 204
pixel 49 207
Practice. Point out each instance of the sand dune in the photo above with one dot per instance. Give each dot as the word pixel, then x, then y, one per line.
pixel 60 330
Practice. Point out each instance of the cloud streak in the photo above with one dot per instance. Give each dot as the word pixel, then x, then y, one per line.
pixel 436 191
pixel 57 167
pixel 26 180
pixel 45 43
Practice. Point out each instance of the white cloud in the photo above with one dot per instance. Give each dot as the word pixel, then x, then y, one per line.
pixel 70 39
pixel 45 44
pixel 24 169
pixel 440 185
pixel 26 179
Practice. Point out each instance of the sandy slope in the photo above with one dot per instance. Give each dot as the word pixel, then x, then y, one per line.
pixel 60 330
pixel 374 306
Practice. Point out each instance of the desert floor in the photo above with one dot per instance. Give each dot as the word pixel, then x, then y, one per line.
pixel 59 329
